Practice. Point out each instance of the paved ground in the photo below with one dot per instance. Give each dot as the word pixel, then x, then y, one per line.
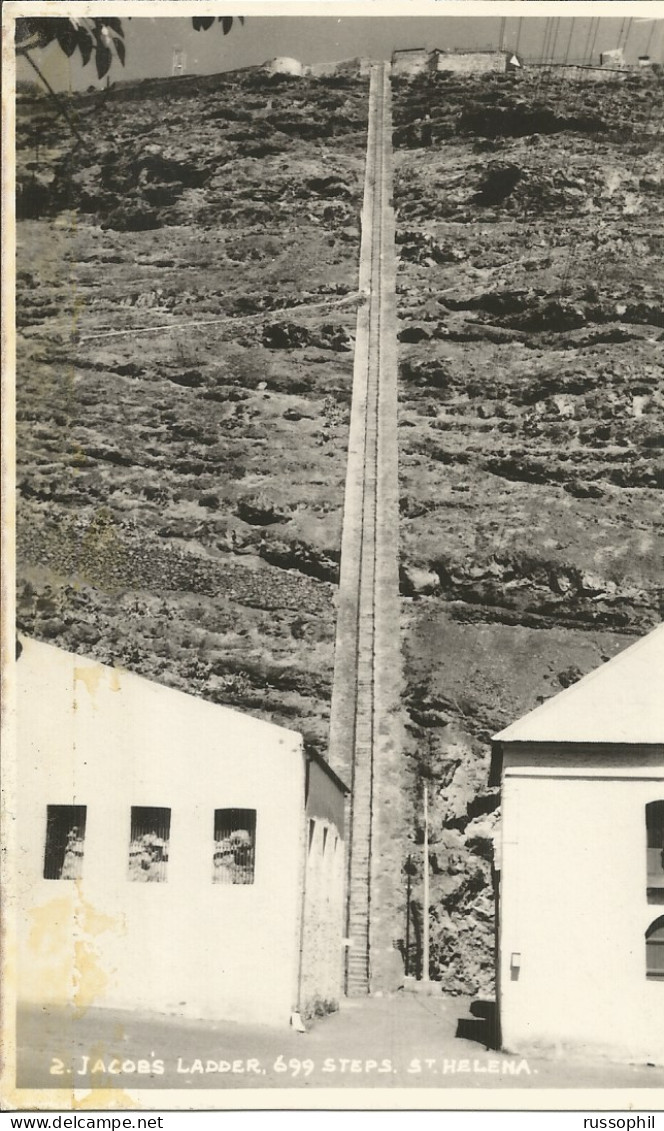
pixel 403 1041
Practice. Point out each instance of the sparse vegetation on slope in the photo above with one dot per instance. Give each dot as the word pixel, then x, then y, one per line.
pixel 531 321
pixel 181 490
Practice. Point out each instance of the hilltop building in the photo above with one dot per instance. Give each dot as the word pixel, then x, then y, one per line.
pixel 614 58
pixel 410 61
pixel 174 855
pixel 285 66
pixel 472 62
pixel 417 61
pixel 581 888
pixel 359 67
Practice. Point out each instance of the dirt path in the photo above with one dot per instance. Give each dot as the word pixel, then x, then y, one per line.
pixel 393 1042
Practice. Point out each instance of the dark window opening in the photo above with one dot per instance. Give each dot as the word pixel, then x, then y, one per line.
pixel 65 834
pixel 655 851
pixel 234 846
pixel 148 844
pixel 655 949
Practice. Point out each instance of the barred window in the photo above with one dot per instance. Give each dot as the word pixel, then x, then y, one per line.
pixel 655 851
pixel 65 834
pixel 234 846
pixel 655 949
pixel 148 844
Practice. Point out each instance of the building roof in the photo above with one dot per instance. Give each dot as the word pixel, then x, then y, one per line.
pixel 461 51
pixel 620 702
pixel 326 768
pixel 50 673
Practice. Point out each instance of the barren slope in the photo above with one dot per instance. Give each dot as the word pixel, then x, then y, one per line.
pixel 181 490
pixel 531 303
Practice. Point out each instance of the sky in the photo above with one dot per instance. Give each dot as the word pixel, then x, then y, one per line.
pixel 151 42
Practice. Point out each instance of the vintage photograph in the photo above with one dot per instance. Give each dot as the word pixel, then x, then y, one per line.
pixel 333 684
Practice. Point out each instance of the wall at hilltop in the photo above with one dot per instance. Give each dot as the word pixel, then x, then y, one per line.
pixel 471 62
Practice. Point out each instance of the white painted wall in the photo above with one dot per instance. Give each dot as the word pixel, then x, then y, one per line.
pixel 472 62
pixel 97 736
pixel 410 63
pixel 322 966
pixel 573 903
pixel 286 66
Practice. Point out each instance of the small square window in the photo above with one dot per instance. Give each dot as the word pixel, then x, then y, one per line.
pixel 655 949
pixel 234 846
pixel 65 834
pixel 148 844
pixel 655 851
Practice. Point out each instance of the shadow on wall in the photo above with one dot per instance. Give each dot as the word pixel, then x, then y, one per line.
pixel 481 1026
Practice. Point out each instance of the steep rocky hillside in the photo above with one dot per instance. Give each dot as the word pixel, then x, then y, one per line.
pixel 532 425
pixel 181 487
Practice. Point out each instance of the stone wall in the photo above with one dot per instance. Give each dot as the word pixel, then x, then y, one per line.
pixel 471 62
pixel 407 63
pixel 585 74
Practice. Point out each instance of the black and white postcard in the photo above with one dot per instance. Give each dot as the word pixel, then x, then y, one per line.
pixel 333 671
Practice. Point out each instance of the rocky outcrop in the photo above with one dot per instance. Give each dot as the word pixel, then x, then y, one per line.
pixel 186 315
pixel 530 305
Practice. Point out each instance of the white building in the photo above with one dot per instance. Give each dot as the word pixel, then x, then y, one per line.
pixel 359 67
pixel 613 58
pixel 285 66
pixel 581 907
pixel 410 61
pixel 173 855
pixel 473 62
pixel 179 64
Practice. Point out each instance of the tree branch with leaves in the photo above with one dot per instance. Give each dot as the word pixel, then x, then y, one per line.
pixel 100 38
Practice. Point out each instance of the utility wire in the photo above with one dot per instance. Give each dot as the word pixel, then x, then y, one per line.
pixel 60 105
pixel 650 37
pixel 261 314
pixel 592 46
pixel 584 54
pixel 545 46
pixel 518 35
pixel 569 41
pixel 555 41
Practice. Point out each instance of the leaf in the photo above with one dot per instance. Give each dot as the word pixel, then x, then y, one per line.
pixel 202 23
pixel 226 24
pixel 23 30
pixel 27 29
pixel 66 36
pixel 103 59
pixel 84 40
pixel 120 48
pixel 114 24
